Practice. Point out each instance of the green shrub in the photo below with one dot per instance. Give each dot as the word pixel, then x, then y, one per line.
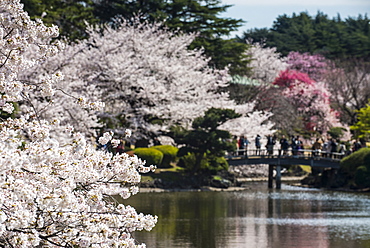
pixel 169 154
pixel 350 163
pixel 362 177
pixel 217 163
pixel 188 162
pixel 367 159
pixel 208 163
pixel 150 155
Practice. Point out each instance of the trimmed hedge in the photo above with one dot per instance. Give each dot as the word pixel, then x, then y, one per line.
pixel 209 163
pixel 150 155
pixel 169 154
pixel 350 163
pixel 188 161
pixel 357 167
pixel 362 177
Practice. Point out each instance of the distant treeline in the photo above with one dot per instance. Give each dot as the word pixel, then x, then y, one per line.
pixel 334 38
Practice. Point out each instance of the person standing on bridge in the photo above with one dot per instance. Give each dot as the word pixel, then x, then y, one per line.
pixel 342 148
pixel 270 145
pixel 235 142
pixel 241 144
pixel 284 145
pixel 258 144
pixel 326 148
pixel 246 143
pixel 293 144
pixel 316 147
pixel 334 148
pixel 299 145
pixel 356 145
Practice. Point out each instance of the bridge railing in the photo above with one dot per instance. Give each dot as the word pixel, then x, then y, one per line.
pixel 293 153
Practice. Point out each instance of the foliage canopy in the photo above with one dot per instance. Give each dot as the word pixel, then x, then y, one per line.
pixel 333 38
pixel 190 16
pixel 205 137
pixel 362 127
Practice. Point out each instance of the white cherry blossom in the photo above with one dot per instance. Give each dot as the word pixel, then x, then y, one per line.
pixel 55 192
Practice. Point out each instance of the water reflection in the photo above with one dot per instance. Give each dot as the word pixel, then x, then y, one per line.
pixel 257 217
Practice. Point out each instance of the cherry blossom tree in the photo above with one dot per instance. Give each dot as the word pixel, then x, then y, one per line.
pixel 310 99
pixel 266 63
pixel 314 71
pixel 146 76
pixel 293 89
pixel 56 193
pixel 256 122
pixel 315 66
pixel 55 100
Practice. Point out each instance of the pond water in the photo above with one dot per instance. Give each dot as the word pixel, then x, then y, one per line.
pixel 256 217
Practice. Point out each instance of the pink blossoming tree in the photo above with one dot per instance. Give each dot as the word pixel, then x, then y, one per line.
pixel 293 89
pixel 315 66
pixel 310 99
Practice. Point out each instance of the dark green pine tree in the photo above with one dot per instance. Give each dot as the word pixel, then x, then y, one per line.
pixel 205 139
pixel 294 33
pixel 358 36
pixel 202 17
pixel 151 10
pixel 334 38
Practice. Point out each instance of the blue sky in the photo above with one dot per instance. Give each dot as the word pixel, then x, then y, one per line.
pixel 262 13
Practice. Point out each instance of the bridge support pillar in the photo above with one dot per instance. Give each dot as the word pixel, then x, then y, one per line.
pixel 278 176
pixel 271 176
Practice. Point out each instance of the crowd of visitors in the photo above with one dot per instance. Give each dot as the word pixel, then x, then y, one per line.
pixel 329 147
pixel 332 148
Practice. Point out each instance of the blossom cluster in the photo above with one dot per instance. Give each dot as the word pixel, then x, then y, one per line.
pixel 292 78
pixel 91 105
pixel 294 85
pixel 266 62
pixel 17 33
pixel 311 99
pixel 56 192
pixel 315 66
